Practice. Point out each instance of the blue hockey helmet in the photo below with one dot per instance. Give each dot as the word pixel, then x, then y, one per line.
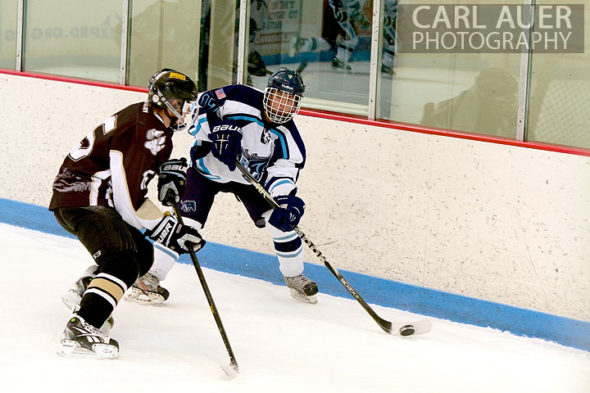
pixel 283 95
pixel 168 85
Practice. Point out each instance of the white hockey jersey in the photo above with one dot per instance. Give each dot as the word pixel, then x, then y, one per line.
pixel 274 154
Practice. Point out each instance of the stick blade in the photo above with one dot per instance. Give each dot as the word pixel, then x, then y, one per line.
pixel 231 370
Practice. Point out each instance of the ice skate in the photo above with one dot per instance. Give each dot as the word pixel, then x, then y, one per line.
pixel 84 340
pixel 147 290
pixel 74 295
pixel 302 288
pixel 387 70
pixel 295 45
pixel 340 65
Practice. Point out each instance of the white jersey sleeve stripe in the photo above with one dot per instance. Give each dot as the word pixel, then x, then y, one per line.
pixel 204 171
pixel 194 131
pixel 279 183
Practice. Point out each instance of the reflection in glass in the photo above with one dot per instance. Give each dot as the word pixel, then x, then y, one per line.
pixel 164 34
pixel 74 38
pixel 471 92
pixel 8 21
pixel 218 43
pixel 560 91
pixel 329 42
pixel 488 107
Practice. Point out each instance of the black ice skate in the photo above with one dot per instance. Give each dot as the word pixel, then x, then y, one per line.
pixel 387 70
pixel 83 339
pixel 74 295
pixel 295 45
pixel 147 290
pixel 302 288
pixel 338 64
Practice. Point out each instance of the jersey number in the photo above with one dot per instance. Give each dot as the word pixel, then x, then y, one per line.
pixel 86 145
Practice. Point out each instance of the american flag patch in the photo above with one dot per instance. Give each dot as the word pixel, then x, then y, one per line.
pixel 220 94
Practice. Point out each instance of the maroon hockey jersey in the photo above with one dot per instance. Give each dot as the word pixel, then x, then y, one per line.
pixel 113 165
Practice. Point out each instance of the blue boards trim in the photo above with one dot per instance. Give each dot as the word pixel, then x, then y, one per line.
pixel 374 290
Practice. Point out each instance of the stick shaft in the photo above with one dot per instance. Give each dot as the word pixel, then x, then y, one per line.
pixel 197 265
pixel 385 325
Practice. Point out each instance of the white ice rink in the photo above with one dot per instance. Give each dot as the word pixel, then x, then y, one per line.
pixel 281 345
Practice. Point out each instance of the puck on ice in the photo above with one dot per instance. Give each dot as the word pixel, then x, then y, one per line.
pixel 406 330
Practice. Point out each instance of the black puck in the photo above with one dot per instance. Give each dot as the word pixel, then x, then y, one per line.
pixel 406 330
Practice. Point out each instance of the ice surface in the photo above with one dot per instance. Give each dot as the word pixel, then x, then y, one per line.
pixel 281 345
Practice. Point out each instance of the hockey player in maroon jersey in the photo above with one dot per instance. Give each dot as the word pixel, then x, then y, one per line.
pixel 99 195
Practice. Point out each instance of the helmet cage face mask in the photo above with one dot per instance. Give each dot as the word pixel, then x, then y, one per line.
pixel 280 106
pixel 283 95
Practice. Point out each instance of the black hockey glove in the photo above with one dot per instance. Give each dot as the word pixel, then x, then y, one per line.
pixel 177 237
pixel 287 216
pixel 227 142
pixel 171 181
pixel 340 13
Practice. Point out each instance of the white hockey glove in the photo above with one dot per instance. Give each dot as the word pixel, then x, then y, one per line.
pixel 171 181
pixel 175 236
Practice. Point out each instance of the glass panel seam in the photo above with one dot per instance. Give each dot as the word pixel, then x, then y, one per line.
pixel 373 68
pixel 20 15
pixel 124 41
pixel 524 80
pixel 242 26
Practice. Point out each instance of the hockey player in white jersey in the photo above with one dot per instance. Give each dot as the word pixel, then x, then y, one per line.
pixel 241 122
pixel 342 21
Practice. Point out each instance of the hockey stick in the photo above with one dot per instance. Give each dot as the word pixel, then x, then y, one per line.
pixel 418 327
pixel 233 368
pixel 302 66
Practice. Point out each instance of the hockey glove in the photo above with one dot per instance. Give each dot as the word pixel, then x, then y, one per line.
pixel 227 142
pixel 340 12
pixel 287 215
pixel 171 181
pixel 361 19
pixel 177 237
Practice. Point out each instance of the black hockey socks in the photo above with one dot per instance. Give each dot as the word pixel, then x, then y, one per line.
pixel 117 272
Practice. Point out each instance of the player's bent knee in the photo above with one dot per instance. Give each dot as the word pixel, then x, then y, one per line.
pixel 121 264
